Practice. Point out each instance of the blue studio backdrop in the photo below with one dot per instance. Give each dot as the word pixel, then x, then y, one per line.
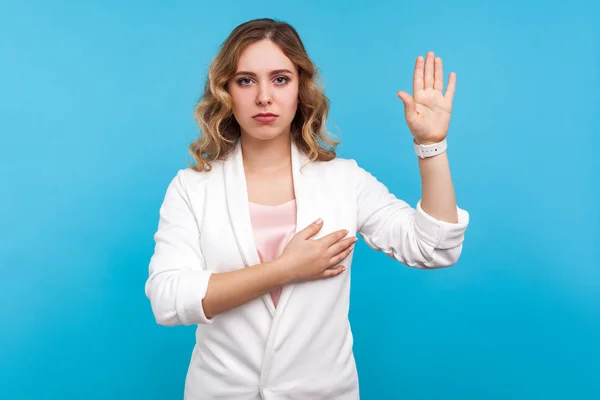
pixel 95 120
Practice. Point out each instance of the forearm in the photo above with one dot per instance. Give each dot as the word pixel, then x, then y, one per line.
pixel 438 198
pixel 227 290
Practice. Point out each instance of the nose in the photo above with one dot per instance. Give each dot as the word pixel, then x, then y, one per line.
pixel 263 97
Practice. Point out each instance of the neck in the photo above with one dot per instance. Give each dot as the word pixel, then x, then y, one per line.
pixel 266 155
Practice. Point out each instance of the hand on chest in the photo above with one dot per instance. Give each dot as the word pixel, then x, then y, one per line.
pixel 229 234
pixel 319 191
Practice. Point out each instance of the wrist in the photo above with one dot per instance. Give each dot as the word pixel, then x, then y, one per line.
pixel 283 272
pixel 426 149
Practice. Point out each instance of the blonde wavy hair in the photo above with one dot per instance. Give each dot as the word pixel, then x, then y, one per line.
pixel 219 129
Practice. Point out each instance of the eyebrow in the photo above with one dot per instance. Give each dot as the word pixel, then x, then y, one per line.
pixel 275 72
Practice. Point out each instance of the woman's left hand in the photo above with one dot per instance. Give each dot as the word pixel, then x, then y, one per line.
pixel 428 112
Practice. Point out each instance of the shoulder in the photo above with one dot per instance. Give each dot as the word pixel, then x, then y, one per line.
pixel 189 176
pixel 339 174
pixel 188 180
pixel 340 166
pixel 347 172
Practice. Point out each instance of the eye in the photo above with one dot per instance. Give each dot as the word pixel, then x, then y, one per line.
pixel 244 81
pixel 282 80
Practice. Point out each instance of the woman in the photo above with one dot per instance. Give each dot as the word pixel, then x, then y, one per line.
pixel 254 243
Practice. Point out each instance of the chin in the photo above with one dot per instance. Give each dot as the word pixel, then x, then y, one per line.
pixel 263 136
pixel 266 133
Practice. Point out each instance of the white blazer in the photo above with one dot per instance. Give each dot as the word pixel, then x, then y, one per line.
pixel 303 348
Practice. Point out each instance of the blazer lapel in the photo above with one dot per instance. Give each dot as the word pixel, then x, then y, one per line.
pixel 305 213
pixel 236 193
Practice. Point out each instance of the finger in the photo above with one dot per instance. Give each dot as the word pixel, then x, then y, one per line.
pixel 409 102
pixel 311 229
pixel 418 76
pixel 438 73
pixel 333 237
pixel 340 257
pixel 331 272
pixel 341 245
pixel 429 71
pixel 451 87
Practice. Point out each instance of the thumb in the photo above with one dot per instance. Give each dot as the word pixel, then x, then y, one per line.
pixel 409 103
pixel 312 229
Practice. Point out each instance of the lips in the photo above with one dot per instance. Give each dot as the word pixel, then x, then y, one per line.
pixel 265 117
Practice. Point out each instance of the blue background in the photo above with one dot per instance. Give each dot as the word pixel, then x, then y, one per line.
pixel 96 117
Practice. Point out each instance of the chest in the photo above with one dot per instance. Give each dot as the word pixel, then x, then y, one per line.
pixel 226 235
pixel 270 188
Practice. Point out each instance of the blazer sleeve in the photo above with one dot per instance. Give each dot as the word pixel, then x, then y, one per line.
pixel 407 234
pixel 178 279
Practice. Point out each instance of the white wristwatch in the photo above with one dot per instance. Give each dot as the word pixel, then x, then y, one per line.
pixel 430 150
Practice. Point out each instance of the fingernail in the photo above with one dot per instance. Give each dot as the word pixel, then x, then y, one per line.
pixel 319 221
pixel 355 240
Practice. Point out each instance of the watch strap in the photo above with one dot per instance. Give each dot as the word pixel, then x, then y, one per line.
pixel 430 150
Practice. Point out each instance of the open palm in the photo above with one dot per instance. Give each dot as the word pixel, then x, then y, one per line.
pixel 428 110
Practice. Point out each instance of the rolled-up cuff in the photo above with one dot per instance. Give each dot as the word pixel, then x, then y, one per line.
pixel 192 291
pixel 441 234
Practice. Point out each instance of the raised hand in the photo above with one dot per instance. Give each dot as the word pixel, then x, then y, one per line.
pixel 428 110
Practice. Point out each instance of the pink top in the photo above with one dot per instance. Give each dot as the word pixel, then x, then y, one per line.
pixel 273 227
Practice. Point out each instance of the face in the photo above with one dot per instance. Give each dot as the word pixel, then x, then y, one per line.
pixel 264 91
